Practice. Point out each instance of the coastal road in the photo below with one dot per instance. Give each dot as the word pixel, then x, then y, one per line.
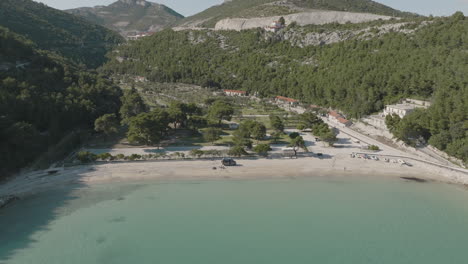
pixel 385 149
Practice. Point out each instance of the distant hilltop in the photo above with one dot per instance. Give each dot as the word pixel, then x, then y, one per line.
pixel 130 17
pixel 135 2
pixel 301 11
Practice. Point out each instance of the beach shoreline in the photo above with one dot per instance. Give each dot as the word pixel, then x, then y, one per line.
pixel 196 170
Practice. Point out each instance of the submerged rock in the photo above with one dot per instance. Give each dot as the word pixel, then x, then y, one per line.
pixel 414 179
pixel 6 200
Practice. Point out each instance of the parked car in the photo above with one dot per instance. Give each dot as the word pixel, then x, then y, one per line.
pixel 229 162
pixel 402 162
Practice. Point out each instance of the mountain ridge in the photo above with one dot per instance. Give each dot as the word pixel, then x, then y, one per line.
pixel 130 16
pixel 269 8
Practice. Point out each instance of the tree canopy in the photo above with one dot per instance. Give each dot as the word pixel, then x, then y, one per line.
pixel 220 111
pixel 44 99
pixel 132 105
pixel 148 128
pixel 107 124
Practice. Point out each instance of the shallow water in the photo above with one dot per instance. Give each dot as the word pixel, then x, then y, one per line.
pixel 316 220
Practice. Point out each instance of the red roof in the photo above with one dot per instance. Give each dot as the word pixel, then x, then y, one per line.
pixel 342 120
pixel 282 98
pixel 235 91
pixel 334 114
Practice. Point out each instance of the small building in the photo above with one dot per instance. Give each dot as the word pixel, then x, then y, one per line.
pixel 274 27
pixel 333 116
pixel 344 122
pixel 235 93
pixel 338 119
pixel 286 101
pixel 140 35
pixel 401 110
pixel 405 107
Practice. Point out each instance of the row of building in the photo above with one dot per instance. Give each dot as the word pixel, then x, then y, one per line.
pixel 402 109
pixel 140 35
pixel 278 99
pixel 332 116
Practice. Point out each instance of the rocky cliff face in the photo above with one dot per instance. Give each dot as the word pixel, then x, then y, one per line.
pixel 302 19
pixel 298 36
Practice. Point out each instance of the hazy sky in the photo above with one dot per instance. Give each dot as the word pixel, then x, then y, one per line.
pixel 190 7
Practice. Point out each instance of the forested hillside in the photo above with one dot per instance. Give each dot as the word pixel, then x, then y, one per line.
pixel 44 98
pixel 256 8
pixel 357 76
pixel 67 35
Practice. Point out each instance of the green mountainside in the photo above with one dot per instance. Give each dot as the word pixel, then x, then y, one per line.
pixel 129 16
pixel 45 99
pixel 358 76
pixel 67 35
pixel 263 8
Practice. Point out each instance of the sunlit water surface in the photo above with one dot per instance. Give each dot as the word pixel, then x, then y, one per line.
pixel 314 220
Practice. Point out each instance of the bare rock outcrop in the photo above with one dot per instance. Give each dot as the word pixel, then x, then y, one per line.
pixel 299 36
pixel 302 19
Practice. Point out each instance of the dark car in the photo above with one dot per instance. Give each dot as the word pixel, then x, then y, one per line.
pixel 228 162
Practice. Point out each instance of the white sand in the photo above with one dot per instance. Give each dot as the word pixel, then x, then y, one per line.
pixel 340 165
pixel 337 162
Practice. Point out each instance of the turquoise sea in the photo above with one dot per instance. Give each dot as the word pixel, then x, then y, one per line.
pixel 314 220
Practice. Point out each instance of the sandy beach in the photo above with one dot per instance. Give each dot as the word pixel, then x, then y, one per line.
pixel 335 162
pixel 340 165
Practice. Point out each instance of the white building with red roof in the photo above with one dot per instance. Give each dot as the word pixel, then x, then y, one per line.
pixel 338 119
pixel 286 101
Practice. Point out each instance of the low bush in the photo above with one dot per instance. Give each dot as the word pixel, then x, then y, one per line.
pixel 197 153
pixel 373 147
pixel 86 157
pixel 134 157
pixel 105 156
pixel 237 151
